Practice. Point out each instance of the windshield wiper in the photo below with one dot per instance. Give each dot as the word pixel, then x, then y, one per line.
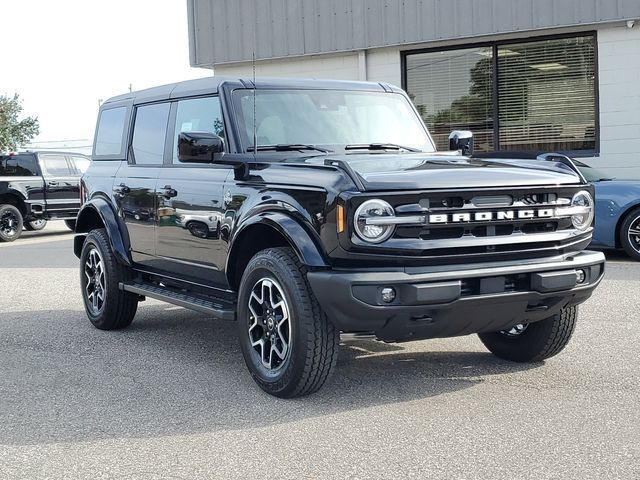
pixel 288 147
pixel 380 146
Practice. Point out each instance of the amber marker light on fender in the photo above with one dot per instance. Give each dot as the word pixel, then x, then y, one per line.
pixel 340 219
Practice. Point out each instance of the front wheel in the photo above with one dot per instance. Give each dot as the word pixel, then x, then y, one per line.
pixel 107 307
pixel 533 342
pixel 11 223
pixel 288 343
pixel 630 234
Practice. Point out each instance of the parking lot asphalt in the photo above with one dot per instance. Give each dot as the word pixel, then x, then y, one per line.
pixel 170 396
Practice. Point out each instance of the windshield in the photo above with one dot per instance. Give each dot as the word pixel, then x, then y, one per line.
pixel 329 118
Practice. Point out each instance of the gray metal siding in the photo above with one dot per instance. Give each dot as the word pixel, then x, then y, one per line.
pixel 232 30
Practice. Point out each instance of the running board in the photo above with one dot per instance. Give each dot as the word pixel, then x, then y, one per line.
pixel 175 297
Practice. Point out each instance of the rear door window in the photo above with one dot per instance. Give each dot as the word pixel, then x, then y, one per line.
pixel 23 165
pixel 56 165
pixel 110 131
pixel 150 133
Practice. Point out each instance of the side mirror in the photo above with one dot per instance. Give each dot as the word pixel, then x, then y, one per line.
pixel 198 147
pixel 461 140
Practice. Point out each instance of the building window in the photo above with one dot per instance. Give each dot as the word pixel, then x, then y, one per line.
pixel 545 94
pixel 452 90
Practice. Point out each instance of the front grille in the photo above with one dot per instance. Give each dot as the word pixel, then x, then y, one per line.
pixel 445 224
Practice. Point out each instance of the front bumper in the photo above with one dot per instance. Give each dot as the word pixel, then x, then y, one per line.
pixel 447 302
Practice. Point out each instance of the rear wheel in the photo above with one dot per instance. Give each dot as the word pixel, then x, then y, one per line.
pixel 71 225
pixel 11 223
pixel 630 234
pixel 288 343
pixel 107 307
pixel 35 225
pixel 533 342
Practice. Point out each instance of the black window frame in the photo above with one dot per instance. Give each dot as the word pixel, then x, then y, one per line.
pixel 494 65
pixel 131 158
pixel 120 155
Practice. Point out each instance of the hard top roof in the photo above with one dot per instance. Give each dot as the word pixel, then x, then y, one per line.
pixel 48 152
pixel 202 86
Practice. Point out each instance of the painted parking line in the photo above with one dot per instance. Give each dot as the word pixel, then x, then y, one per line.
pixel 35 240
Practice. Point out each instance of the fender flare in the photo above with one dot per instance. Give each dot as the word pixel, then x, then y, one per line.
pixel 84 224
pixel 7 188
pixel 305 244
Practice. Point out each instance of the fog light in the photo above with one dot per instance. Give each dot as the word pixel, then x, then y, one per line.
pixel 581 276
pixel 388 294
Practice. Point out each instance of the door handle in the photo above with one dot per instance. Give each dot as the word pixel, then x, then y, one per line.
pixel 169 192
pixel 53 184
pixel 121 189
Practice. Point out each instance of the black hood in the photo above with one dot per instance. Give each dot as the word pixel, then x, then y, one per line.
pixel 416 171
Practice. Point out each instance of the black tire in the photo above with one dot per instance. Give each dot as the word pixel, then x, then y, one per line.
pixel 117 308
pixel 11 223
pixel 35 225
pixel 539 340
pixel 198 229
pixel 313 340
pixel 630 241
pixel 71 225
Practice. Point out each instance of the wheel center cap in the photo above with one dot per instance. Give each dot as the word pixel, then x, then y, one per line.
pixel 270 323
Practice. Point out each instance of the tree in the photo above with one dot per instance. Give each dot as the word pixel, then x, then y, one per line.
pixel 14 132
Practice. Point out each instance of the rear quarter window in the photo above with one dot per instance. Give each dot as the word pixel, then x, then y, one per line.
pixel 18 166
pixel 110 132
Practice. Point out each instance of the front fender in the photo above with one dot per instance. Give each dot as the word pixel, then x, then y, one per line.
pixel 98 213
pixel 304 241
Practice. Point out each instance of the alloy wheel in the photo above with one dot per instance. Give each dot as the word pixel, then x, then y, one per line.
pixel 634 234
pixel 95 286
pixel 515 330
pixel 39 223
pixel 9 222
pixel 269 324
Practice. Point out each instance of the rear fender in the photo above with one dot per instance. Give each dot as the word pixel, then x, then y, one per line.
pixel 98 213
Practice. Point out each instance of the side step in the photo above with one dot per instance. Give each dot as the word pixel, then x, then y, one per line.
pixel 176 297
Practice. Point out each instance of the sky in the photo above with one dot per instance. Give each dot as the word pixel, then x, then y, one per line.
pixel 63 56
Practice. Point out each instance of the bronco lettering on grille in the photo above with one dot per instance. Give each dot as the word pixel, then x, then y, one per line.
pixel 490 216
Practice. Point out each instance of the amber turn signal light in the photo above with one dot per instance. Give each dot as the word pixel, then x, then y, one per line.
pixel 340 219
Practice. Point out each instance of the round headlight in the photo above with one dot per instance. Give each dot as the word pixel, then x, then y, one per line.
pixel 370 231
pixel 582 201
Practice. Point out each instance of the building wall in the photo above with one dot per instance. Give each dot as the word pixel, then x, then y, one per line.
pixel 222 31
pixel 341 67
pixel 619 76
pixel 379 65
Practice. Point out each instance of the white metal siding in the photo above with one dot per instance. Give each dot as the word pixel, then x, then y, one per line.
pixel 619 77
pixel 231 31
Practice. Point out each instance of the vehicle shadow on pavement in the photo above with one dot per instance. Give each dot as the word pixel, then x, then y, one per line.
pixel 176 372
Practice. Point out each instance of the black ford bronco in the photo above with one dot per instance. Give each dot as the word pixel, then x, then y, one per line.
pixel 303 209
pixel 36 187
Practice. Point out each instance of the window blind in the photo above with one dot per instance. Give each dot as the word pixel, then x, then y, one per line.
pixel 546 95
pixel 452 90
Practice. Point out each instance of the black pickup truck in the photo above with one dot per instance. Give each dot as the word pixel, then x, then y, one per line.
pixel 36 187
pixel 323 207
